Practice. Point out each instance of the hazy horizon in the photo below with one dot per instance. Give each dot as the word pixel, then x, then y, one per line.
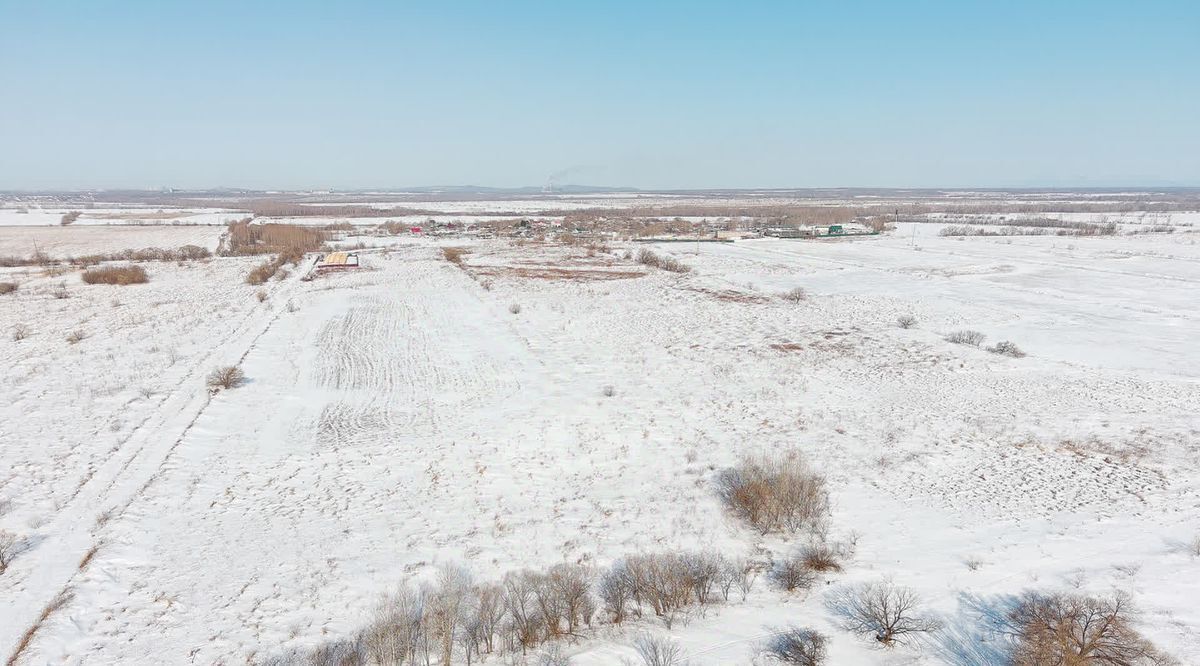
pixel 674 96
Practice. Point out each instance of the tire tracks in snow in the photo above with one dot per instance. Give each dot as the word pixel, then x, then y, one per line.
pixel 44 575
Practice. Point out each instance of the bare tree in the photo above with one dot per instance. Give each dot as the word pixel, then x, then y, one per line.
pixel 9 545
pixel 446 607
pixel 658 651
pixel 396 634
pixel 1076 629
pixel 883 609
pixel 615 590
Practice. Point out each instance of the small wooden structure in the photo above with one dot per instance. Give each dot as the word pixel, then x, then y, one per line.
pixel 337 261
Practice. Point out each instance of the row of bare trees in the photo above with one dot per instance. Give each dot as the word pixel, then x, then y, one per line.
pixel 454 619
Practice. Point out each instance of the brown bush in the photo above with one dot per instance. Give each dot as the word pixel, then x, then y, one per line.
pixel 776 493
pixel 453 255
pixel 8 287
pixel 121 275
pixel 906 321
pixel 226 377
pixel 19 332
pixel 1075 629
pixel 76 336
pixel 70 217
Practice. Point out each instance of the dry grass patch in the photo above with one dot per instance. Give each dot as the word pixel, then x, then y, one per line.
pixel 454 255
pixel 291 241
pixel 120 275
pixel 8 287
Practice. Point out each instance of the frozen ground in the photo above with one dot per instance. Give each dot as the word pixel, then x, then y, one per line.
pixel 402 416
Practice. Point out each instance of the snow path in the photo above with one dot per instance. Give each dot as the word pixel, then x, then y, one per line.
pixel 125 475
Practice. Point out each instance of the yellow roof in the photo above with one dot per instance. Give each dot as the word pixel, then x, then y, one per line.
pixel 335 258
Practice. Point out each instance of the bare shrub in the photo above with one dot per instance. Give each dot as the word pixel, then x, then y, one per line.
pixel 1076 629
pixel 121 275
pixel 658 650
pixel 191 252
pixel 882 609
pixel 291 306
pixel 794 295
pixel 553 656
pixel 70 217
pixel 973 338
pixel 61 292
pixel 261 295
pixel 515 308
pixel 263 272
pixel 9 545
pixel 226 377
pixel 19 332
pixel 1006 348
pixel 792 573
pixel 76 336
pixel 8 287
pixel 775 493
pixel 821 557
pixel 1194 546
pixel 648 258
pixel 453 255
pixel 608 391
pixel 906 321
pixel 797 645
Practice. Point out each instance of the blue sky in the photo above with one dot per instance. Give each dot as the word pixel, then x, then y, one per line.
pixel 647 94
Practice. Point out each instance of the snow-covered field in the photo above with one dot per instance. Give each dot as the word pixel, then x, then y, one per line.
pixel 404 416
pixel 12 215
pixel 62 242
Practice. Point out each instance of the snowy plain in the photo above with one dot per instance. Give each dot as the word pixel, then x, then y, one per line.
pixel 403 416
